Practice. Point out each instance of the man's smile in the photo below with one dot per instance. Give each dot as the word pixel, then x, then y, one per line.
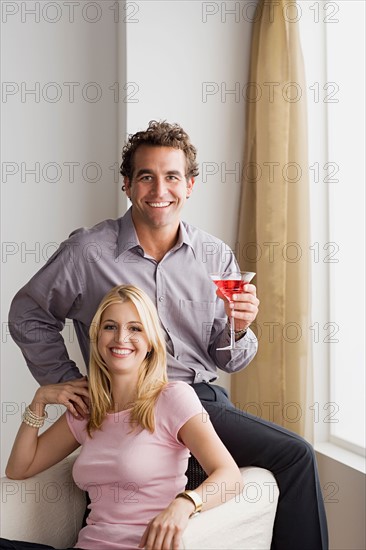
pixel 159 204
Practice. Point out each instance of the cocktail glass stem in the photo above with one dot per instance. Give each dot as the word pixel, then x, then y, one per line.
pixel 232 331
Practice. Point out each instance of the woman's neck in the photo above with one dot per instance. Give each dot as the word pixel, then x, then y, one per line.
pixel 124 394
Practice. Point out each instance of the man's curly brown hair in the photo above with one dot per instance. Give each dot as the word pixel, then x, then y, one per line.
pixel 159 134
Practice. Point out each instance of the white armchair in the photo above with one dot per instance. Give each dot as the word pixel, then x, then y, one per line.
pixel 48 508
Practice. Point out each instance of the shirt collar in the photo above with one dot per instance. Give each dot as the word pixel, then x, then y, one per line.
pixel 183 238
pixel 127 237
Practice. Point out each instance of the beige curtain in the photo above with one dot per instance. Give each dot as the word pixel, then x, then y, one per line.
pixel 273 234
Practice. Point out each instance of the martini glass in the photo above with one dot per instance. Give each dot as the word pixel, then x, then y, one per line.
pixel 231 282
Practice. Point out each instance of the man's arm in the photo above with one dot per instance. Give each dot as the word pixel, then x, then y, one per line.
pixel 37 316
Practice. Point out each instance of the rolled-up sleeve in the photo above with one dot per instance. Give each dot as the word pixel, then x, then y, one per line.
pixel 234 361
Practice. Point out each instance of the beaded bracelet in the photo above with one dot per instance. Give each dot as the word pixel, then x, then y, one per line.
pixel 32 419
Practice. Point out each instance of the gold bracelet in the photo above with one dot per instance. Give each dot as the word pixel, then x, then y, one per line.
pixel 194 498
pixel 32 419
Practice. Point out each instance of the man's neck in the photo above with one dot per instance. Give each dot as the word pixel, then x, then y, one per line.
pixel 156 242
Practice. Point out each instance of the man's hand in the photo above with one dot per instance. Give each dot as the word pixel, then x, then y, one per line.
pixel 245 306
pixel 74 394
pixel 164 532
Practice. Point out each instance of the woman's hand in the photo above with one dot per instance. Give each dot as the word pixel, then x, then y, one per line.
pixel 74 394
pixel 164 532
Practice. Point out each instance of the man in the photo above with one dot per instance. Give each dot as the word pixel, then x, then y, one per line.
pixel 152 248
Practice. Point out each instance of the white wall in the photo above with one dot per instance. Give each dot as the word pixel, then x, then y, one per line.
pixel 170 49
pixel 344 493
pixel 39 211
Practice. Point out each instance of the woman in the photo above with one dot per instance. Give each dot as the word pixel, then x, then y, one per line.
pixel 135 441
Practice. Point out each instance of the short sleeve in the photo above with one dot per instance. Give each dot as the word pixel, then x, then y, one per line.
pixel 77 427
pixel 177 404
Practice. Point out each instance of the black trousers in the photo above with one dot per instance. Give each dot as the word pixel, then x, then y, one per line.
pixel 6 544
pixel 300 522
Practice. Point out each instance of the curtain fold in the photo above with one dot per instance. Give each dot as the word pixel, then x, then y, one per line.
pixel 273 232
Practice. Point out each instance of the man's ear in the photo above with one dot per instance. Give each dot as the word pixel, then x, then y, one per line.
pixel 126 186
pixel 190 184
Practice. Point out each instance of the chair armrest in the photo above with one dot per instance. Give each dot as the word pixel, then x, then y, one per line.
pixel 47 508
pixel 243 523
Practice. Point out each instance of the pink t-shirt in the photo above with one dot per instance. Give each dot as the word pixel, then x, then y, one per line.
pixel 131 477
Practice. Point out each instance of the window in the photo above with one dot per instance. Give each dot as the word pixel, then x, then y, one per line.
pixel 332 38
pixel 345 60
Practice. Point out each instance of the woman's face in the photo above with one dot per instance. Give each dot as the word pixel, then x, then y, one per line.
pixel 122 340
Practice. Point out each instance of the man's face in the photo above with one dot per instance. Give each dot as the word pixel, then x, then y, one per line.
pixel 159 187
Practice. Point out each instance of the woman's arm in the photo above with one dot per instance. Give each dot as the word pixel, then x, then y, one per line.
pixel 32 454
pixel 223 483
pixel 224 478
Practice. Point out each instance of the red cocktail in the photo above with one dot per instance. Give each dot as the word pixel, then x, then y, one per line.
pixel 229 287
pixel 230 283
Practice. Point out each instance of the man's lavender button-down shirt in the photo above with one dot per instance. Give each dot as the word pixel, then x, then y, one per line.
pixel 92 261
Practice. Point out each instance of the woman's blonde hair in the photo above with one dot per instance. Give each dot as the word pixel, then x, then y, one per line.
pixel 152 376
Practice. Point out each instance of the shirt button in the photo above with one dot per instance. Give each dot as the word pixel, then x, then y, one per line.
pixel 168 330
pixel 178 357
pixel 161 299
